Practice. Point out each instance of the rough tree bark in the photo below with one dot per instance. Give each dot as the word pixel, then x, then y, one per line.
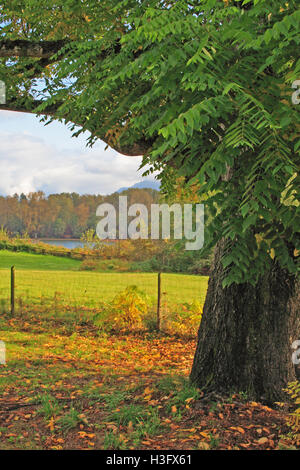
pixel 245 337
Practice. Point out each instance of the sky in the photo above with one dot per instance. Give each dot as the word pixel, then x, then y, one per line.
pixel 35 157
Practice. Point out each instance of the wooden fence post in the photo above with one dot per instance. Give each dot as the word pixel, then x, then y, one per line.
pixel 158 301
pixel 12 291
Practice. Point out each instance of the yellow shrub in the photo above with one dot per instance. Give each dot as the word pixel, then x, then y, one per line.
pixel 128 309
pixel 186 319
pixel 294 419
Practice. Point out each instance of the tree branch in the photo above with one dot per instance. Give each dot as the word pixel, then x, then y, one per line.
pixel 24 48
pixel 137 149
pixel 45 50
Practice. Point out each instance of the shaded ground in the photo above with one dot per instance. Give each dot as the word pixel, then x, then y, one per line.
pixel 129 391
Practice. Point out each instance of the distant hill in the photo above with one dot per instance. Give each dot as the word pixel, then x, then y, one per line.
pixel 142 185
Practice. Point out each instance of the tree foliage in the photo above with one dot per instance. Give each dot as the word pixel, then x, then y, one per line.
pixel 62 215
pixel 201 88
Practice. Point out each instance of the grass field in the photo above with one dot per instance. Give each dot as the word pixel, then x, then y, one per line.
pixel 36 262
pixel 85 288
pixel 40 278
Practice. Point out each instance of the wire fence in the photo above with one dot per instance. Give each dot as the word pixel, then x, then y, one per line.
pixel 78 292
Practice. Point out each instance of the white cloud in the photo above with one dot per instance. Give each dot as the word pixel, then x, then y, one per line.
pixel 30 163
pixel 11 115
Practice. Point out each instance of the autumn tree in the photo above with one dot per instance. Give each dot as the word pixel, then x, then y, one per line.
pixel 203 90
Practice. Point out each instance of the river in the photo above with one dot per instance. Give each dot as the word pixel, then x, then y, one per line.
pixel 70 244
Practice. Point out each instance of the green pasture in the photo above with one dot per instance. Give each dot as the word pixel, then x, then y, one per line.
pixel 36 262
pixel 43 278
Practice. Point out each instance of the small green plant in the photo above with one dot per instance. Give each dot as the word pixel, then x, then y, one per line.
pixel 213 407
pixel 147 427
pixel 183 396
pixel 114 399
pixel 168 384
pixel 70 420
pixel 214 441
pixel 129 413
pixel 244 396
pixel 49 406
pixel 113 442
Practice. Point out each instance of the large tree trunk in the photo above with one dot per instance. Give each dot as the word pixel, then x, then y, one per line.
pixel 245 337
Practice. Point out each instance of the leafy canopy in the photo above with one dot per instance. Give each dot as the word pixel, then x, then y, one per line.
pixel 206 85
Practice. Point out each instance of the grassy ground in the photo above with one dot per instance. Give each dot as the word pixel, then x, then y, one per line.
pixel 36 262
pixel 84 390
pixel 68 384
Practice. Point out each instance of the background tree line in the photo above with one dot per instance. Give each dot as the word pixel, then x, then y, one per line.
pixel 65 215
